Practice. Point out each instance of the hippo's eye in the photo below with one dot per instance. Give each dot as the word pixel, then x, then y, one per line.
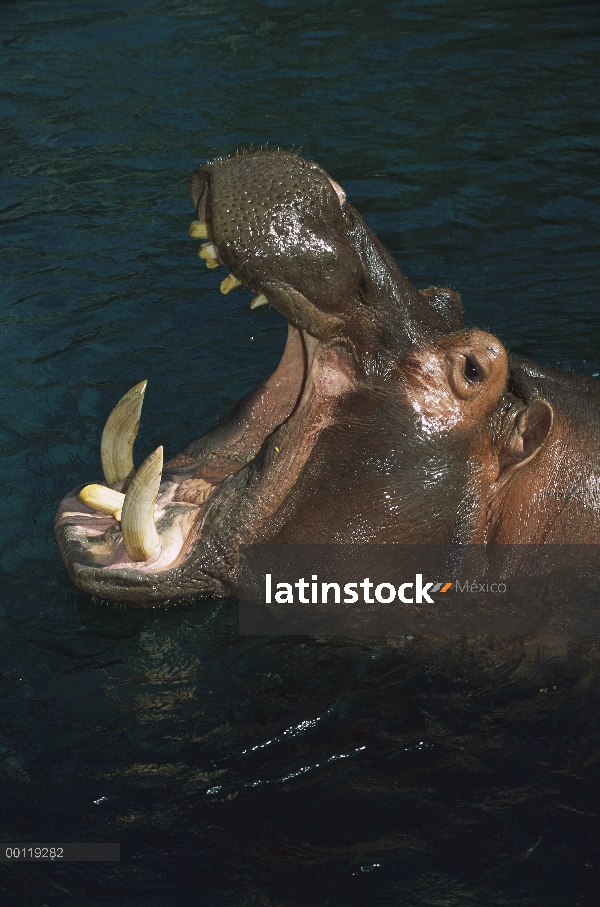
pixel 472 370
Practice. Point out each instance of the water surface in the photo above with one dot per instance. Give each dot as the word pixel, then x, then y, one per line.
pixel 278 772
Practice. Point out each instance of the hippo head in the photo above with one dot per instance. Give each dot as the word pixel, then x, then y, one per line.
pixel 385 421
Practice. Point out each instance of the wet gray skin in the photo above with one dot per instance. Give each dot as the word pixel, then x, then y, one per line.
pixel 386 421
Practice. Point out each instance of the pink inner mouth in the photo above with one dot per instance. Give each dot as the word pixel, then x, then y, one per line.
pixel 227 449
pixel 192 478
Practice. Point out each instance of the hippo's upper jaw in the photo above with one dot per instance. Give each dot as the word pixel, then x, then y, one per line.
pixel 285 230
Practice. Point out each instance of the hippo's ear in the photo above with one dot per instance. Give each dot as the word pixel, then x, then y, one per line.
pixel 528 435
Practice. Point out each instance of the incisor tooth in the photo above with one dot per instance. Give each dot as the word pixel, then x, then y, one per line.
pixel 116 447
pixel 230 283
pixel 199 229
pixel 208 251
pixel 137 521
pixel 259 300
pixel 101 498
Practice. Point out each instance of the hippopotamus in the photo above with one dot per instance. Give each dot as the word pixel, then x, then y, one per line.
pixel 386 420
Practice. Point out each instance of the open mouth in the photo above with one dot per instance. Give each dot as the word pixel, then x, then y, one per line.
pixel 138 525
pixel 149 521
pixel 283 229
pixel 216 494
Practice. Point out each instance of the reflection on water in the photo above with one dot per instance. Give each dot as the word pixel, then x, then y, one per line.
pixel 292 771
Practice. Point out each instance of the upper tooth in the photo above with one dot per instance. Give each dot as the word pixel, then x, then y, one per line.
pixel 101 498
pixel 137 521
pixel 116 447
pixel 230 283
pixel 208 252
pixel 259 300
pixel 200 229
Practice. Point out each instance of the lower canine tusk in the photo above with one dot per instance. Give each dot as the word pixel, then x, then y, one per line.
pixel 137 521
pixel 120 431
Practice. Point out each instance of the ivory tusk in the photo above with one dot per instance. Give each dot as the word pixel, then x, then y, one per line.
pixel 137 520
pixel 120 431
pixel 101 498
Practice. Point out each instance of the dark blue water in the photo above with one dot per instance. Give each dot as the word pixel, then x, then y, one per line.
pixel 253 772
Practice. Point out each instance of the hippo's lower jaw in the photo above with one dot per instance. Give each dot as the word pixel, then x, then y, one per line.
pixel 216 494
